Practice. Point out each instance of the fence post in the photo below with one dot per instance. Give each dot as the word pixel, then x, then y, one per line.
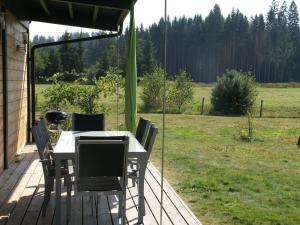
pixel 36 99
pixel 202 106
pixel 261 108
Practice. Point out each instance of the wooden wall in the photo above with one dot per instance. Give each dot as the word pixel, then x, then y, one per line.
pixel 1 109
pixel 17 90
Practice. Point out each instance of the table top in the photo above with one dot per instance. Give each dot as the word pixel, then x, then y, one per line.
pixel 66 142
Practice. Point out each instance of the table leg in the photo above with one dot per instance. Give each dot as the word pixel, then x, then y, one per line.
pixel 141 207
pixel 57 193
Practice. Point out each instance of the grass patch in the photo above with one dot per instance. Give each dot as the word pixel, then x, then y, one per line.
pixel 226 181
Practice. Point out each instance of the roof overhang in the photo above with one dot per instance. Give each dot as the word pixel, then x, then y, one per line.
pixel 96 14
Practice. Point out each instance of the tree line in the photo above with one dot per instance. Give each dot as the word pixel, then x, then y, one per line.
pixel 267 46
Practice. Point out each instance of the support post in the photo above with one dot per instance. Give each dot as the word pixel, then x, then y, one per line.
pixel 202 106
pixel 261 108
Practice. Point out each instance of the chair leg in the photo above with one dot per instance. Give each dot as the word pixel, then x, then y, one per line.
pixel 78 203
pixel 69 190
pixel 92 204
pixel 124 208
pixel 98 198
pixel 120 205
pixel 47 195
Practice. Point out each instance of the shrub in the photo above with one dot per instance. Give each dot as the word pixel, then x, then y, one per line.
pixel 235 93
pixel 82 94
pixel 181 93
pixel 58 94
pixel 152 90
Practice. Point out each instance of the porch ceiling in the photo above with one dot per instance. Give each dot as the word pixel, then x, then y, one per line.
pixel 96 14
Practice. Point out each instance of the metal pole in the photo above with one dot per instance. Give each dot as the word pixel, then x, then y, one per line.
pixel 118 85
pixel 164 118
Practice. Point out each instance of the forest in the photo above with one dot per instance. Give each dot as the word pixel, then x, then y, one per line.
pixel 268 46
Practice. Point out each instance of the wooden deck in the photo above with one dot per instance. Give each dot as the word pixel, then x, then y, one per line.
pixel 21 197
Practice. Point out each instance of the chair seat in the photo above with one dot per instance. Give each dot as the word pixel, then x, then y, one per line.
pixel 99 184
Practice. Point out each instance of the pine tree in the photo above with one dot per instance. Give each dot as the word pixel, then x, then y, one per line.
pixel 293 23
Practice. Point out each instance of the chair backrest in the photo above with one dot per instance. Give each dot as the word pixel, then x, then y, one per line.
pixel 101 156
pixel 150 139
pixel 44 131
pixel 42 146
pixel 142 130
pixel 84 122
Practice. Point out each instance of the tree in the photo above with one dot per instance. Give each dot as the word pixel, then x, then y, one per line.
pixel 152 85
pixel 293 23
pixel 148 62
pixel 69 57
pixel 181 93
pixel 235 93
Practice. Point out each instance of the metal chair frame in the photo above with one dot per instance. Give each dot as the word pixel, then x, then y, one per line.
pixel 42 143
pixel 88 122
pixel 95 191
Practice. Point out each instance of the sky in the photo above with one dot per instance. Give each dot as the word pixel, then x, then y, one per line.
pixel 150 11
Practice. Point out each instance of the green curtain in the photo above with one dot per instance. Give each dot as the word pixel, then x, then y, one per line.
pixel 131 77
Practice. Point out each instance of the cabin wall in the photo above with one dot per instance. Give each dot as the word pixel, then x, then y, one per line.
pixel 1 109
pixel 16 89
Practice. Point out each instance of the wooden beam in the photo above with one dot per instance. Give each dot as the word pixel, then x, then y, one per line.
pixel 95 14
pixel 111 4
pixel 102 23
pixel 71 13
pixel 45 7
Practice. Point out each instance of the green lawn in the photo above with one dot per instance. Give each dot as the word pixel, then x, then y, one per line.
pixel 227 181
pixel 278 102
pixel 223 179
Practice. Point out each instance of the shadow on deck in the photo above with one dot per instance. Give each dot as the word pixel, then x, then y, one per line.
pixel 22 190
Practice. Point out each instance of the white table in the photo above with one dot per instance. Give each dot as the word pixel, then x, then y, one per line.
pixel 65 150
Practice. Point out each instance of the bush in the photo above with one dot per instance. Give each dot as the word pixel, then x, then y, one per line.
pixel 181 93
pixel 82 94
pixel 152 90
pixel 235 93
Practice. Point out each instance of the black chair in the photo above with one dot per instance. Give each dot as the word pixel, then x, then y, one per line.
pixel 101 168
pixel 85 122
pixel 48 165
pixel 142 130
pixel 141 135
pixel 134 173
pixel 44 130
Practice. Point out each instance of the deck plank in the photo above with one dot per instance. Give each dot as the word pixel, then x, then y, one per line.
pixel 25 200
pixel 114 209
pixel 149 218
pixel 168 205
pixel 15 178
pixel 155 205
pixel 131 211
pixel 89 217
pixel 14 194
pixel 177 201
pixel 104 216
pixel 48 218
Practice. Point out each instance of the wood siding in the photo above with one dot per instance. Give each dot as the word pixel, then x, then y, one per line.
pixel 1 108
pixel 16 90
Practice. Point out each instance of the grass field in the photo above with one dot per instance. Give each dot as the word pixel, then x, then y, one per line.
pixel 224 179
